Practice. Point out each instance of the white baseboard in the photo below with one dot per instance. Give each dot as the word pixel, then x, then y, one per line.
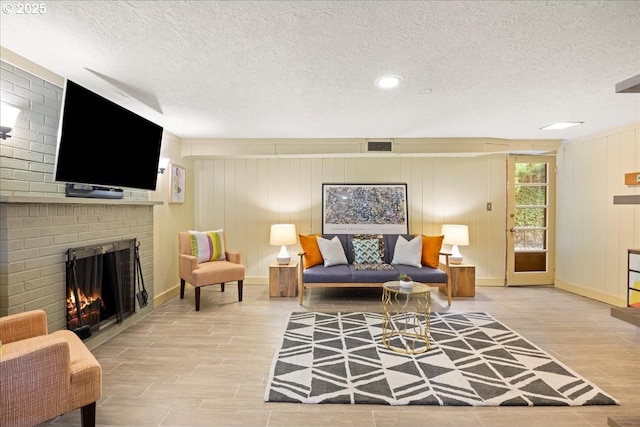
pixel 590 293
pixel 490 281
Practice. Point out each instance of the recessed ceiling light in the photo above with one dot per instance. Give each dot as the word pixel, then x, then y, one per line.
pixel 387 82
pixel 561 125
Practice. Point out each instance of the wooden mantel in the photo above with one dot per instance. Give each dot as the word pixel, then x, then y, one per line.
pixel 76 200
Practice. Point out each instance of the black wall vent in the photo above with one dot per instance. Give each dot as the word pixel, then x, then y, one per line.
pixel 379 146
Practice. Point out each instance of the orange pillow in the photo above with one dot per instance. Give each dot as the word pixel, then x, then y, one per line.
pixel 309 245
pixel 431 246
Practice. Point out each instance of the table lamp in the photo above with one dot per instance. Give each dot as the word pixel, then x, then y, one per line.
pixel 283 235
pixel 455 235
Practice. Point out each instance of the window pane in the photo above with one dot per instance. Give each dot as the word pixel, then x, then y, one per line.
pixel 529 239
pixel 531 173
pixel 531 195
pixel 531 217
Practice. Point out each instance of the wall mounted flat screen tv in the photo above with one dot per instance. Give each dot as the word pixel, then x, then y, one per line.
pixel 101 143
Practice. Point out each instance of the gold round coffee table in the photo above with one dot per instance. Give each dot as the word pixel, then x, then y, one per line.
pixel 406 314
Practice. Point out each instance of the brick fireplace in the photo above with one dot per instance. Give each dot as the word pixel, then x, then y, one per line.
pixel 37 232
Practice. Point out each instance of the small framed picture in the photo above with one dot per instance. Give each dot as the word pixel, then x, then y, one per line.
pixel 177 184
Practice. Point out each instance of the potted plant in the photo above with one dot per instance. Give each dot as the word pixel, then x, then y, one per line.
pixel 405 281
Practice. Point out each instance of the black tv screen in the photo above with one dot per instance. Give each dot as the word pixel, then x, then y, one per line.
pixel 101 143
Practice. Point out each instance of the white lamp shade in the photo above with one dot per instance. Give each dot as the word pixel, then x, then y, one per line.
pixel 455 235
pixel 8 115
pixel 283 235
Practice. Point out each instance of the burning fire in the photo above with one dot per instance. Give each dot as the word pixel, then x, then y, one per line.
pixel 85 301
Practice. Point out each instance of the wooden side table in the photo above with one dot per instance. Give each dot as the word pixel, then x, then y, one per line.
pixel 463 280
pixel 283 280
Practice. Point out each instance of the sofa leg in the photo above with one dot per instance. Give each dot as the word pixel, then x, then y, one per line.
pixel 239 290
pixel 181 288
pixel 88 415
pixel 198 299
pixel 221 287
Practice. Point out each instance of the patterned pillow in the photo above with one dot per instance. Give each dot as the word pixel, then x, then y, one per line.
pixel 207 245
pixel 366 251
pixel 377 237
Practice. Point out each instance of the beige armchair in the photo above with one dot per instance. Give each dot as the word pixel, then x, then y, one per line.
pixel 207 273
pixel 44 375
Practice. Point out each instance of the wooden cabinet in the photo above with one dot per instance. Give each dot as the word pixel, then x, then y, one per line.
pixel 463 280
pixel 283 280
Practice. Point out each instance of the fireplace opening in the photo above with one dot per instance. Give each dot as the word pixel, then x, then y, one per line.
pixel 100 286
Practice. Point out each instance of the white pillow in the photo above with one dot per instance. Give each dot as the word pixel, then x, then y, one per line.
pixel 332 251
pixel 408 252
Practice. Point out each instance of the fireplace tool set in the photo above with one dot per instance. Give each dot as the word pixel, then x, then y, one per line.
pixel 142 294
pixel 83 331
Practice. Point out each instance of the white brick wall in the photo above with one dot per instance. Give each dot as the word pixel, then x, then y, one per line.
pixel 37 236
pixel 27 158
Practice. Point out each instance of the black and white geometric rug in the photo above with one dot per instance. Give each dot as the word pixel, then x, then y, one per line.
pixel 474 361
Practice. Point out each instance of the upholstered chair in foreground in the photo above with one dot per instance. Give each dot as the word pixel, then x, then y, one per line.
pixel 44 375
pixel 204 261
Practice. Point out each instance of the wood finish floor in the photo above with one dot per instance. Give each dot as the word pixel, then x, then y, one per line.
pixel 179 367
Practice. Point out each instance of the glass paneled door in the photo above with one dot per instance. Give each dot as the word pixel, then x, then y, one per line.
pixel 530 220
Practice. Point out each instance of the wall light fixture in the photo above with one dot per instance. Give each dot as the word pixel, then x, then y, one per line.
pixel 8 116
pixel 163 164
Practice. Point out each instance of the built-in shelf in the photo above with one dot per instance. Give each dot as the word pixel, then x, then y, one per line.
pixel 627 200
pixel 76 200
pixel 633 279
pixel 631 313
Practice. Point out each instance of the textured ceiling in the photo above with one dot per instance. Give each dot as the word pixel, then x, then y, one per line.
pixel 305 69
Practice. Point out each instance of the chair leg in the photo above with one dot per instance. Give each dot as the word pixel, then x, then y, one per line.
pixel 88 415
pixel 221 287
pixel 198 299
pixel 181 288
pixel 239 290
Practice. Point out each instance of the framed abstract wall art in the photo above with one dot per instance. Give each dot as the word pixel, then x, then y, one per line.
pixel 365 208
pixel 177 184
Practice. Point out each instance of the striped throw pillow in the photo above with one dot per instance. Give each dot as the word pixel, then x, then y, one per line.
pixel 207 245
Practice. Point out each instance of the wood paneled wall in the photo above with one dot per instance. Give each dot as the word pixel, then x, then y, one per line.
pixel 593 234
pixel 246 196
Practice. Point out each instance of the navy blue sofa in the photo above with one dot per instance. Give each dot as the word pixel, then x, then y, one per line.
pixel 348 276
